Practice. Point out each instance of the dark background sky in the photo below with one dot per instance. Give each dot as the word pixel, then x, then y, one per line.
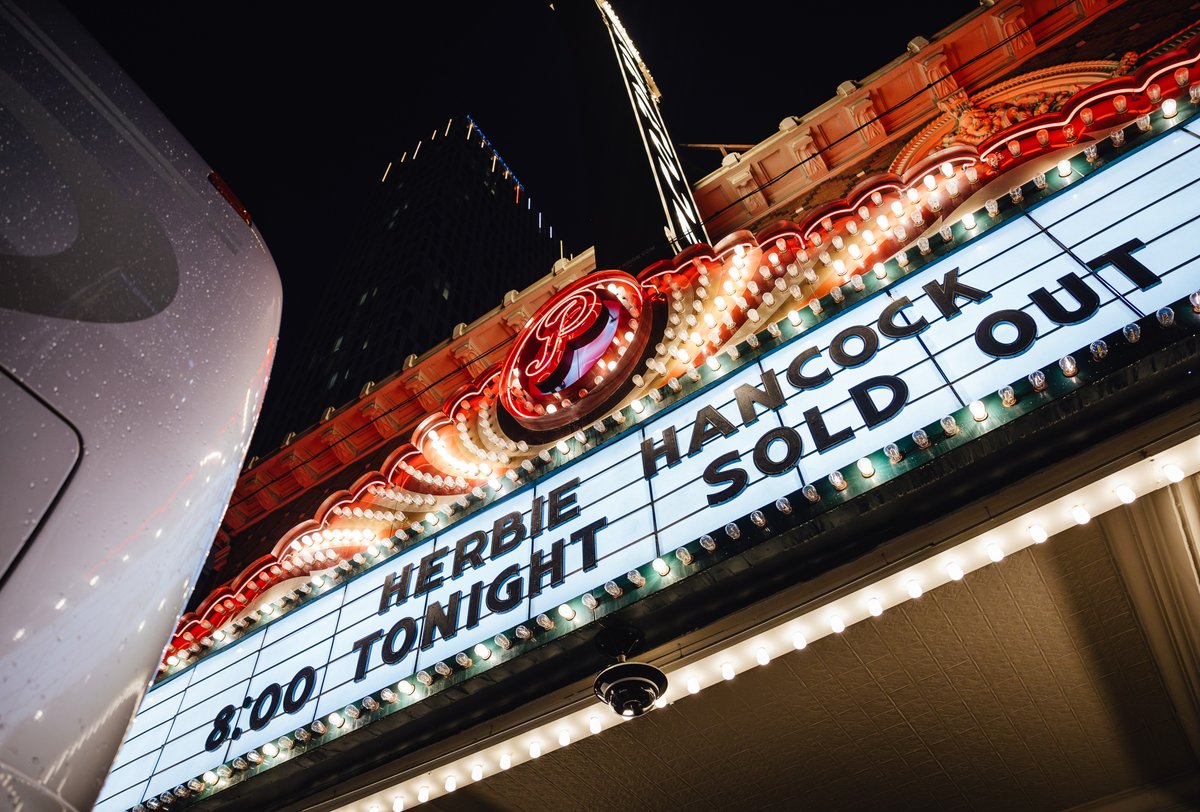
pixel 301 108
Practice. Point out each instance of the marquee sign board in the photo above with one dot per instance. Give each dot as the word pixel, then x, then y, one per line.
pixel 1109 249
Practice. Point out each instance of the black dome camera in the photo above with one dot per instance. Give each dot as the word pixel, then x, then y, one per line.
pixel 628 688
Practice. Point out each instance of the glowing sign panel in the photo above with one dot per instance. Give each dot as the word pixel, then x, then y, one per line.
pixel 1117 245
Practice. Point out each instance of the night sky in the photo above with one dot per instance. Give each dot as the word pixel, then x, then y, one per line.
pixel 300 110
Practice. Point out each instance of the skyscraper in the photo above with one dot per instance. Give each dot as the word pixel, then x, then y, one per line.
pixel 447 231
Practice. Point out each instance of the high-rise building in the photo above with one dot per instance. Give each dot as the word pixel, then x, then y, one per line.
pixel 446 232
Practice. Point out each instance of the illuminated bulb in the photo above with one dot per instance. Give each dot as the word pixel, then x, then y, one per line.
pixel 762 655
pixel 836 624
pixel 914 588
pixel 423 794
pixel 799 642
pixel 948 170
pixel 1080 515
pixel 505 761
pixel 482 651
pixel 995 553
pixel 897 208
pixel 1064 168
pixel 954 571
pixel 661 566
pixel 880 270
pixel 270 750
pixel 1125 493
pixel 930 182
pixel 535 749
pixel 866 468
pixel 978 410
pixel 714 363
pixel 875 607
pixel 564 737
pixel 1169 108
pixel 727 672
pixel 405 687
pixel 855 251
pixel 693 686
pixel 398 804
pixel 840 267
pixel 968 221
pixel 594 724
pixel 1173 472
pixel 336 719
pixel 477 770
pixel 210 777
pixel 451 783
pixel 1037 533
pixel 661 702
pixel 794 318
pixel 566 612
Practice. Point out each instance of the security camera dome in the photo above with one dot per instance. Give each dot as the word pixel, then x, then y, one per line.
pixel 630 688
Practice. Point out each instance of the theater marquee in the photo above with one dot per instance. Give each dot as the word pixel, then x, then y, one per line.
pixel 929 356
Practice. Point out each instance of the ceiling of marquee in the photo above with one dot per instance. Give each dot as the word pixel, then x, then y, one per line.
pixel 1028 685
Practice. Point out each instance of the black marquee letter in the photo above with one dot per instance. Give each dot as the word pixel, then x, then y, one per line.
pixel 872 414
pixel 1087 299
pixel 837 347
pixel 795 373
pixel 770 396
pixel 887 321
pixel 945 294
pixel 985 333
pixel 1123 260
pixel 736 477
pixel 791 441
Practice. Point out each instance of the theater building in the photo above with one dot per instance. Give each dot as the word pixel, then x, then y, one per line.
pixel 897 479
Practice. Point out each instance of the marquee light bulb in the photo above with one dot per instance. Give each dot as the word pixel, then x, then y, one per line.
pixel 505 761
pixel 398 804
pixel 1169 108
pixel 1125 493
pixel 836 624
pixel 979 410
pixel 566 612
pixel 799 642
pixel 564 737
pixel 477 770
pixel 535 749
pixel 661 567
pixel 865 467
pixel 1173 472
pixel 954 571
pixel 995 553
pixel 1064 168
pixel 874 606
pixel 594 724
pixel 451 783
pixel 930 182
pixel 914 588
pixel 1080 514
pixel 968 221
pixel 762 655
pixel 661 702
pixel 423 793
pixel 693 686
pixel 727 672
pixel 1038 533
pixel 880 270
